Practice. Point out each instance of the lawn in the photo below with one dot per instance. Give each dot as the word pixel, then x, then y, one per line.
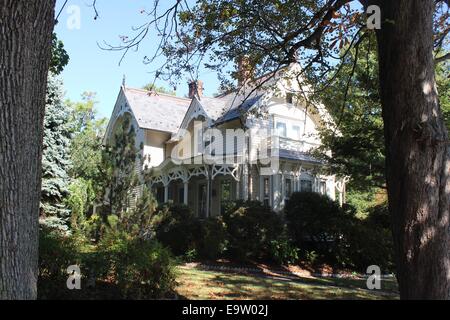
pixel 194 283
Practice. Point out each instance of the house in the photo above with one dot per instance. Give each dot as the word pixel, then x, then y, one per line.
pixel 253 144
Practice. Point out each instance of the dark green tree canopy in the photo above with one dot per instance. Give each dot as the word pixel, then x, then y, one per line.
pixel 60 57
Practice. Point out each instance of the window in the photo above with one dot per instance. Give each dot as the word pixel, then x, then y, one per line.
pixel 200 140
pixel 266 198
pixel 160 195
pixel 212 150
pixel 226 190
pixel 281 129
pixel 288 188
pixel 323 187
pixel 306 185
pixel 296 132
pixel 225 194
pixel 289 97
pixel 181 195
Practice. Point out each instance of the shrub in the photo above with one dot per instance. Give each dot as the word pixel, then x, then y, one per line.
pixel 130 268
pixel 143 269
pixel 282 251
pixel 317 223
pixel 379 216
pixel 177 227
pixel 251 227
pixel 57 251
pixel 370 241
pixel 213 238
pixel 368 244
pixel 335 236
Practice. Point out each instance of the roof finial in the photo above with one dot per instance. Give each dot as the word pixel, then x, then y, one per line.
pixel 124 80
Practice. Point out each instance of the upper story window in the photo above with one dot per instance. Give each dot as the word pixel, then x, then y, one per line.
pixel 200 144
pixel 281 129
pixel 289 97
pixel 296 132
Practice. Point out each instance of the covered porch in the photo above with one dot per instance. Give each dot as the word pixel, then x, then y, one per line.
pixel 204 188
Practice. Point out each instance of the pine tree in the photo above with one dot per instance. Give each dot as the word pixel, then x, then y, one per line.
pixel 127 199
pixel 55 158
pixel 119 163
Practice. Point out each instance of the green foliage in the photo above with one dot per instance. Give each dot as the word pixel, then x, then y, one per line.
pixel 186 235
pixel 367 244
pixel 55 158
pixel 86 147
pixel 379 216
pixel 329 234
pixel 443 84
pixel 119 170
pixel 251 227
pixel 361 201
pixel 57 251
pixel 142 269
pixel 358 150
pixel 282 251
pixel 178 228
pixel 213 238
pixel 81 196
pixel 314 219
pixel 86 165
pixel 160 89
pixel 133 268
pixel 59 58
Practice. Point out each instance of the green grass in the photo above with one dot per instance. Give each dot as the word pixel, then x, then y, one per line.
pixel 208 285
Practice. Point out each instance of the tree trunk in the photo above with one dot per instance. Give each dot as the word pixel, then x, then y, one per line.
pixel 417 149
pixel 25 49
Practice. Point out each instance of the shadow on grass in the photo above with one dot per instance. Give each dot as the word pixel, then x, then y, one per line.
pixel 201 284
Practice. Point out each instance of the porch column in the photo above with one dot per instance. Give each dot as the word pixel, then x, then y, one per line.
pixel 245 185
pixel 208 197
pixel 185 195
pixel 276 191
pixel 166 193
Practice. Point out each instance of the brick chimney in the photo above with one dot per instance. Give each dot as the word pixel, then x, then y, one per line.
pixel 244 70
pixel 196 89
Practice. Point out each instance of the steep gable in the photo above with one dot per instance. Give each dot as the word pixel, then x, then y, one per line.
pixel 157 111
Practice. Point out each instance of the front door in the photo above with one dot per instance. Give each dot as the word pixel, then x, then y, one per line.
pixel 202 194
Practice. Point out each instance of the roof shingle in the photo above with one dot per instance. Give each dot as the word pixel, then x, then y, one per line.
pixel 157 111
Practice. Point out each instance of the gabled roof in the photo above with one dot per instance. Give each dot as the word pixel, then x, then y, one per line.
pixel 236 106
pixel 156 111
pixel 167 113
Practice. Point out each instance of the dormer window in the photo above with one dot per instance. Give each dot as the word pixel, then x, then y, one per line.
pixel 289 97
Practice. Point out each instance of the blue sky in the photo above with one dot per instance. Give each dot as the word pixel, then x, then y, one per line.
pixel 93 69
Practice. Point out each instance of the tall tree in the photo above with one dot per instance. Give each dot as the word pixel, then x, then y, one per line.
pixel 358 150
pixel 55 159
pixel 119 169
pixel 86 158
pixel 417 148
pixel 25 39
pixel 272 34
